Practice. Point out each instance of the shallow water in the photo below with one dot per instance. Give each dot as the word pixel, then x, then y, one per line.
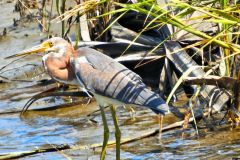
pixel 69 125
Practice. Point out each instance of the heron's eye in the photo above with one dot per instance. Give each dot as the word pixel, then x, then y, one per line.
pixel 50 44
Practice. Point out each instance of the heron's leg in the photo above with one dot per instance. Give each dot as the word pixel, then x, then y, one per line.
pixel 160 119
pixel 117 132
pixel 106 133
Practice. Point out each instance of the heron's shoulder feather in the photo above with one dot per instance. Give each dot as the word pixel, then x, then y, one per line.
pixel 105 63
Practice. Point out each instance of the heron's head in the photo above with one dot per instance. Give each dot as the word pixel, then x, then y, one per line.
pixel 56 46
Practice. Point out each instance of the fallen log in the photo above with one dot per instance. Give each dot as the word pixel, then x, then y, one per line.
pixel 221 82
pixel 182 61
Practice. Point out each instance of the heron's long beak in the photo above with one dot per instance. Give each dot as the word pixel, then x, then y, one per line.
pixel 40 48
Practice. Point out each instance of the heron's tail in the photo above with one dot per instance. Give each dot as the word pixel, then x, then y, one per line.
pixel 140 95
pixel 158 105
pixel 161 109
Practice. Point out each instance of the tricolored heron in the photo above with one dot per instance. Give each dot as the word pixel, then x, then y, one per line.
pixel 110 82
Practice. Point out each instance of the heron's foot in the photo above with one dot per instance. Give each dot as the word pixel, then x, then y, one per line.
pixel 117 132
pixel 105 134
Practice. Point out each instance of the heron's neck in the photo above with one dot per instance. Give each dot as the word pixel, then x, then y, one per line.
pixel 59 68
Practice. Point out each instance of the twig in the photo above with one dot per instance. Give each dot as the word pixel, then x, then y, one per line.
pixel 27 153
pixel 11 62
pixel 50 94
pixel 222 82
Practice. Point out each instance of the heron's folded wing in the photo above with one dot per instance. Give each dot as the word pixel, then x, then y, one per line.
pixel 116 85
pixel 105 63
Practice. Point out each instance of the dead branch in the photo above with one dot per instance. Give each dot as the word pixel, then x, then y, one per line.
pixel 222 82
pixel 50 94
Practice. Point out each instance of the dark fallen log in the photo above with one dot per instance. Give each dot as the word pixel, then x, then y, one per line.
pixel 114 49
pixel 222 82
pixel 182 62
pixel 120 33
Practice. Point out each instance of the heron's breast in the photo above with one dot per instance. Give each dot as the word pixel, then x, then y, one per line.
pixel 59 70
pixel 106 101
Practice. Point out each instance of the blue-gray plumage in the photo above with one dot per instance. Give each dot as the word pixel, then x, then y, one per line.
pixel 111 82
pixel 105 63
